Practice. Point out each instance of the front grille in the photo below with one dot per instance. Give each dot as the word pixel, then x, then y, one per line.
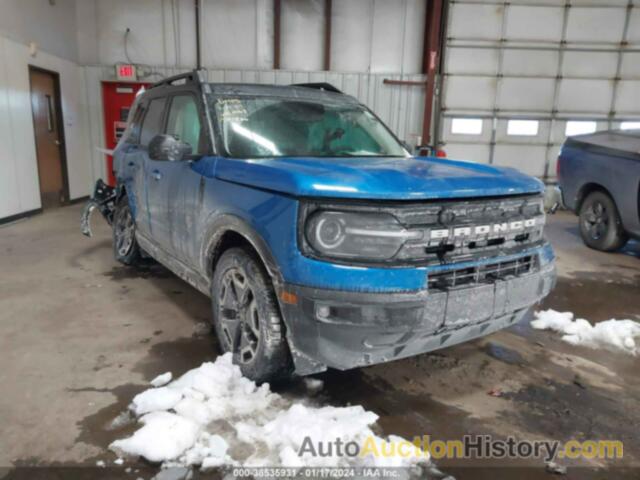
pixel 484 274
pixel 445 219
pixel 446 232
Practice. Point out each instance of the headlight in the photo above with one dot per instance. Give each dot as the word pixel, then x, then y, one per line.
pixel 533 208
pixel 372 236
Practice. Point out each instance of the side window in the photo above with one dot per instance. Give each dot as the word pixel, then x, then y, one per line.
pixel 152 123
pixel 184 121
pixel 133 130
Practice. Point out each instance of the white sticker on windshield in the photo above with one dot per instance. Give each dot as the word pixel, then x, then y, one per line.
pixel 232 110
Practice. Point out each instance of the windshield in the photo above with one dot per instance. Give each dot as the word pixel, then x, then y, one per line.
pixel 258 127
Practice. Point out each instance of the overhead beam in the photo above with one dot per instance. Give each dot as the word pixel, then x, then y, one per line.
pixel 277 17
pixel 328 6
pixel 411 83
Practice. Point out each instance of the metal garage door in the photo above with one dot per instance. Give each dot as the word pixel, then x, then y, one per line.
pixel 521 75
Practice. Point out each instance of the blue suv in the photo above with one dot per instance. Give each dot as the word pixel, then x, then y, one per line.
pixel 321 241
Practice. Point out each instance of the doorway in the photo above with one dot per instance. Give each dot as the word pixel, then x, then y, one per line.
pixel 49 137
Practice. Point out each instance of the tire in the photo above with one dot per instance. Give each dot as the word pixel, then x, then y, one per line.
pixel 125 246
pixel 600 224
pixel 247 319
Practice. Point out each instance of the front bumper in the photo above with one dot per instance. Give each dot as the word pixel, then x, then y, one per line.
pixel 339 329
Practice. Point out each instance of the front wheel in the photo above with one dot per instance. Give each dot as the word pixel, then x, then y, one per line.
pixel 246 317
pixel 600 224
pixel 125 245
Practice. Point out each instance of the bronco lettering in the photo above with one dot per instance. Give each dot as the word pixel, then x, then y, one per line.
pixel 505 227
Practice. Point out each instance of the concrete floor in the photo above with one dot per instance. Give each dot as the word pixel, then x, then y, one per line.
pixel 81 334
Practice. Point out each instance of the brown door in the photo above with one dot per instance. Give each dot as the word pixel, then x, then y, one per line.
pixel 46 124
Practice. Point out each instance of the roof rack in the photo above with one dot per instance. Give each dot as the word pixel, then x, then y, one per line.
pixel 194 76
pixel 327 87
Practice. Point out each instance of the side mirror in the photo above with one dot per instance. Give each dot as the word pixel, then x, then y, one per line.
pixel 168 147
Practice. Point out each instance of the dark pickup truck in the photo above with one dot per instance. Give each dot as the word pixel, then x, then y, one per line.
pixel 599 177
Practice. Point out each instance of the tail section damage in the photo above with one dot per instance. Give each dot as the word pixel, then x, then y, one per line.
pixel 103 199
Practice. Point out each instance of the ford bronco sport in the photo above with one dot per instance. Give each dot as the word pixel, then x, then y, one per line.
pixel 320 239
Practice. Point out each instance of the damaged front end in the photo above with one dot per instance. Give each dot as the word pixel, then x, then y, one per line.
pixel 103 199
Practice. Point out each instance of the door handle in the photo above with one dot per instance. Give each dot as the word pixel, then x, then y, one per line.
pixel 156 174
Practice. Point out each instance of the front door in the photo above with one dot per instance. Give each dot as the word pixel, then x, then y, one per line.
pixel 48 137
pixel 184 123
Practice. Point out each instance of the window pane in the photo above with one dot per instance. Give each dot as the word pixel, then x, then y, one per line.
pixel 523 127
pixel 132 133
pixel 152 124
pixel 580 127
pixel 273 127
pixel 184 121
pixel 630 125
pixel 466 126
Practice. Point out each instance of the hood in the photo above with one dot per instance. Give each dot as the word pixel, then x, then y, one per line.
pixel 414 178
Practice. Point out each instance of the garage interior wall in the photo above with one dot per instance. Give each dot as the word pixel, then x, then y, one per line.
pixel 82 40
pixel 371 40
pixel 547 61
pixel 379 36
pixel 19 184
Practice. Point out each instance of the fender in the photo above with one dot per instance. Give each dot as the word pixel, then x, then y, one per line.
pixel 226 223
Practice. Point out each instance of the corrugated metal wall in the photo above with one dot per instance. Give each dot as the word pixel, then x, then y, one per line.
pixel 552 61
pixel 399 106
pixel 366 35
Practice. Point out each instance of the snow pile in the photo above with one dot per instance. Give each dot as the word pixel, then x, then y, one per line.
pixel 612 334
pixel 161 380
pixel 213 416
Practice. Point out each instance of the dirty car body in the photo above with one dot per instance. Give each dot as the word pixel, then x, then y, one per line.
pixel 373 254
pixel 606 162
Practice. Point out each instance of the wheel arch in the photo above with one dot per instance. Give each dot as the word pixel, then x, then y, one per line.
pixel 229 231
pixel 122 190
pixel 589 188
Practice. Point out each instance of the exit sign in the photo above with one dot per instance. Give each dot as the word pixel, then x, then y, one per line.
pixel 126 72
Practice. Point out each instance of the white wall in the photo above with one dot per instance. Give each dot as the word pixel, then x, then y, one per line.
pixel 19 185
pixel 52 27
pixel 161 32
pixel 302 35
pixel 236 33
pixel 381 36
